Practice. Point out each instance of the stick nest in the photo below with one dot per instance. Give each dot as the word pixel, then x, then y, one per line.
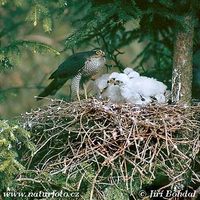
pixel 121 143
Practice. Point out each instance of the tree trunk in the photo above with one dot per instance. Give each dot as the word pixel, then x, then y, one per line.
pixel 182 63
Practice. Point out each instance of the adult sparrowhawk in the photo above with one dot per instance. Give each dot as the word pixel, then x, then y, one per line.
pixel 79 66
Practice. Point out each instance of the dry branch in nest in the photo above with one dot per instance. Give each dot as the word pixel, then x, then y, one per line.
pixel 123 144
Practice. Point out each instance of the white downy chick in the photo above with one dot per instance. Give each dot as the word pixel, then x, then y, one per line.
pixel 113 91
pixel 100 84
pixel 149 87
pixel 127 90
pixel 139 90
pixel 131 73
pixel 106 88
pixel 115 76
pixel 160 98
pixel 113 94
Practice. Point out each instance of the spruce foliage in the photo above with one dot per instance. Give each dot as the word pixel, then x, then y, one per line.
pixel 12 139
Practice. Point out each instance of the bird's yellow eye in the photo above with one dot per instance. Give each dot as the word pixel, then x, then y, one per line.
pixel 100 53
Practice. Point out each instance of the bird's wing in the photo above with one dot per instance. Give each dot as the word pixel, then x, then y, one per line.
pixel 52 88
pixel 71 66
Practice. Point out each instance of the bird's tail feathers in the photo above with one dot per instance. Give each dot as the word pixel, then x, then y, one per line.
pixel 52 88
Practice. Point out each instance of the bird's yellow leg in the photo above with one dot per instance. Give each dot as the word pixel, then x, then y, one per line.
pixel 78 95
pixel 85 90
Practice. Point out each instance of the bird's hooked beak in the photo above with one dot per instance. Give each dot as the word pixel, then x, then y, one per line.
pixel 102 90
pixel 111 81
pixel 117 82
pixel 114 81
